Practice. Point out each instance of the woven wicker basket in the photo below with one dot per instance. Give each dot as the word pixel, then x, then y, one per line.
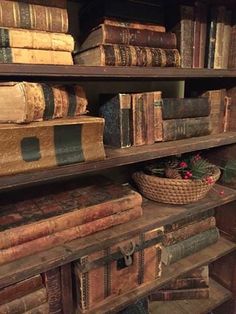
pixel 173 191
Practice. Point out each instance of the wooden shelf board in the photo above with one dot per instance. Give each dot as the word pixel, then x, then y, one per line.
pixel 154 216
pixel 92 72
pixel 218 295
pixel 118 157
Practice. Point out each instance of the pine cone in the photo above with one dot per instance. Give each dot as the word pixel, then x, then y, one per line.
pixel 172 173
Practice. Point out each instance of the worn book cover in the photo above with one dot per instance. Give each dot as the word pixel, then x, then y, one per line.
pixel 231 93
pixel 158 119
pixel 182 294
pixel 136 25
pixel 52 282
pixel 40 101
pixel 227 39
pixel 41 145
pixel 232 48
pixel 66 288
pixel 219 45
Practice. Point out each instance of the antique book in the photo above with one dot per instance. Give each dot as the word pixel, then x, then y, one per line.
pixel 226 39
pixel 122 55
pixel 40 101
pixel 37 215
pixel 41 309
pixel 190 219
pixel 116 110
pixel 146 11
pixel 158 127
pixel 59 238
pixel 35 56
pixel 203 34
pixel 188 231
pixel 216 100
pixel 46 144
pixel 232 48
pixel 173 253
pixel 220 21
pixel 176 129
pixel 232 117
pixel 33 39
pixel 148 124
pixel 136 25
pixel 178 108
pixel 25 303
pixel 227 113
pixel 20 289
pixel 50 3
pixel 109 34
pixel 31 16
pixel 180 294
pixel 66 288
pixel 100 275
pixel 211 38
pixel 52 281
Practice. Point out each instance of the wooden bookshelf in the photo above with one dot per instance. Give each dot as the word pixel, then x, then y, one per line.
pixel 218 295
pixel 118 157
pixel 155 215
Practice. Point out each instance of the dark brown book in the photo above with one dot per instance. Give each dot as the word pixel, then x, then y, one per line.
pixel 25 303
pixel 122 55
pixel 49 3
pixel 232 50
pixel 20 289
pixel 108 34
pixel 176 129
pixel 203 33
pixel 158 125
pixel 134 24
pixel 32 16
pixel 137 121
pixel 211 38
pixel 52 281
pixel 183 294
pixel 66 287
pixel 149 117
pixel 220 21
pixel 227 38
pixel 196 34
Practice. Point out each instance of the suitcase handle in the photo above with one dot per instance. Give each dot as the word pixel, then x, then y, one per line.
pixel 127 252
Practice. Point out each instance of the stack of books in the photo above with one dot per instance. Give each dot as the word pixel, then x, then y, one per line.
pixel 35 32
pixel 145 118
pixel 118 40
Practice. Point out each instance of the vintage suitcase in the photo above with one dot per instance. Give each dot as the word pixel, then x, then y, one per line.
pixel 113 271
pixel 41 145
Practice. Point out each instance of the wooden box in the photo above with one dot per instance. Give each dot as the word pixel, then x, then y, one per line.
pixel 113 271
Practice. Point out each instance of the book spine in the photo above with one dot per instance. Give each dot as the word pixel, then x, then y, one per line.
pixel 20 289
pixel 186 283
pixel 149 118
pixel 66 286
pixel 212 38
pixel 138 120
pixel 189 220
pixel 30 16
pixel 174 108
pixel 35 56
pixel 203 34
pixel 25 303
pixel 43 243
pixel 52 280
pixel 232 117
pixel 125 113
pixel 232 50
pixel 50 3
pixel 188 231
pixel 185 294
pixel 186 36
pixel 121 55
pixel 41 309
pixel 176 129
pixel 18 235
pixel 227 114
pixel 23 38
pixel 226 39
pixel 196 35
pixel 133 37
pixel 173 253
pixel 221 17
pixel 158 118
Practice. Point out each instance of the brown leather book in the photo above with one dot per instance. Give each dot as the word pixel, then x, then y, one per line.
pixel 158 119
pixel 33 39
pixel 52 282
pixel 188 231
pixel 109 34
pixel 135 25
pixel 35 56
pixel 138 133
pixel 123 55
pixel 226 39
pixel 232 116
pixel 31 16
pixel 59 238
pixel 46 144
pixel 25 303
pixel 62 209
pixel 183 294
pixel 20 289
pixel 220 21
pixel 41 309
pixel 66 288
pixel 232 48
pixel 50 3
pixel 40 101
pixel 227 113
pixel 149 117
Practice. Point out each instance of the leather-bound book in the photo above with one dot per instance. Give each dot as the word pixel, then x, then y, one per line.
pixel 35 56
pixel 116 110
pixel 40 101
pixel 31 16
pixel 227 39
pixel 50 3
pixel 20 289
pixel 158 125
pixel 25 303
pixel 52 282
pixel 176 129
pixel 173 253
pixel 33 39
pixel 227 114
pixel 220 22
pixel 123 55
pixel 66 288
pixel 232 115
pixel 211 38
pixel 232 50
pixel 149 117
pixel 108 34
pixel 180 294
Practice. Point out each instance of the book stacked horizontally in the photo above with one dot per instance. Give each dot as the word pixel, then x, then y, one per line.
pixel 145 118
pixel 51 216
pixel 118 40
pixel 44 125
pixel 34 31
